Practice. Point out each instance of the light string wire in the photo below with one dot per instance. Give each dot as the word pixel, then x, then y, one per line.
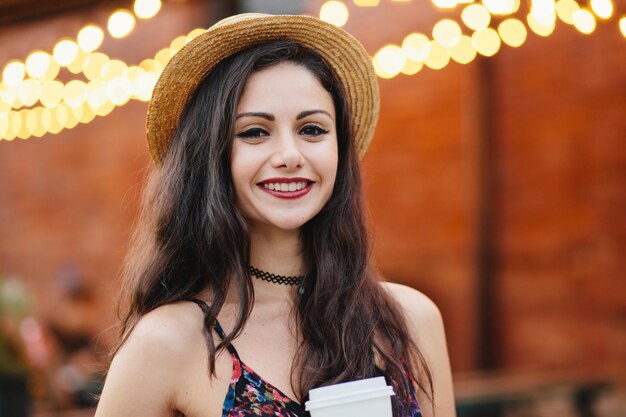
pixel 112 83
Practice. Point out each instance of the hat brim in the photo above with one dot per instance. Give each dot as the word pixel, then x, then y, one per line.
pixel 187 68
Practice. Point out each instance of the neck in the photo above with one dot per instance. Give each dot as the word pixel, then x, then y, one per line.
pixel 277 252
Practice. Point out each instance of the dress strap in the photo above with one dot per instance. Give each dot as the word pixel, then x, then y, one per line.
pixel 216 326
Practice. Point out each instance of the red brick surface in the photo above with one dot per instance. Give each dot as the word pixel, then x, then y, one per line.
pixel 559 126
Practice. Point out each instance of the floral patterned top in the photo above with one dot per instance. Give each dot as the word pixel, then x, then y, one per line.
pixel 250 395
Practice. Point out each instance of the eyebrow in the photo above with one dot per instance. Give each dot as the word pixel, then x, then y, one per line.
pixel 271 117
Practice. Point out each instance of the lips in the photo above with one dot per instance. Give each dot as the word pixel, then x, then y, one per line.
pixel 287 188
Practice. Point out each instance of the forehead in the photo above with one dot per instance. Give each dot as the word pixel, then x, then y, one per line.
pixel 284 87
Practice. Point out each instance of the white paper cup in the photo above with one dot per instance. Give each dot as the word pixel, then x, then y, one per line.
pixel 369 397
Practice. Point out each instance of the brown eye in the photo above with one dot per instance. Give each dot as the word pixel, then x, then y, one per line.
pixel 313 130
pixel 255 132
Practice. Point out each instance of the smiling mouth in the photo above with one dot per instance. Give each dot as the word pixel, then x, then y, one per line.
pixel 287 187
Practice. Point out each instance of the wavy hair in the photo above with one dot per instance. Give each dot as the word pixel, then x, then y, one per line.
pixel 191 236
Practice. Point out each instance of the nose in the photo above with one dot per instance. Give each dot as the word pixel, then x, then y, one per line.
pixel 287 153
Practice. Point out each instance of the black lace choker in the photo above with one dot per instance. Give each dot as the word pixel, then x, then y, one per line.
pixel 276 279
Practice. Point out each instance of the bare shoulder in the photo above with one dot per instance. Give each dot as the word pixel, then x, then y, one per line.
pixel 156 358
pixel 168 330
pixel 420 310
pixel 427 330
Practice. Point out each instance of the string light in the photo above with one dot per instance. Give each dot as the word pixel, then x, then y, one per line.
pixel 111 82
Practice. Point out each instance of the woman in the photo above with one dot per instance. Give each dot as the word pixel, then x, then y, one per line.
pixel 249 280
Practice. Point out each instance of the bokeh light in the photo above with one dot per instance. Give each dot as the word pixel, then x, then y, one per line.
pixel 13 73
pixel 475 17
pixel 90 38
pixel 65 52
pixel 501 7
pixel 146 9
pixel 447 32
pixel 334 12
pixel 565 10
pixel 463 52
pixel 416 46
pixel 538 27
pixel 438 56
pixel 602 8
pixel 121 23
pixel 486 42
pixel 584 21
pixel 513 32
pixel 390 60
pixel 37 63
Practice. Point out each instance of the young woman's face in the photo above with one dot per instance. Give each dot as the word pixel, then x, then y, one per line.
pixel 284 157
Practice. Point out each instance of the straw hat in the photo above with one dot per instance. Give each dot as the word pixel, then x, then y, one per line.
pixel 185 70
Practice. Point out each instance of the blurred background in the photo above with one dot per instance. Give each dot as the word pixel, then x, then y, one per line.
pixel 495 182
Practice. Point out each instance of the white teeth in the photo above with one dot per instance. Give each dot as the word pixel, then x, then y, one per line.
pixel 283 186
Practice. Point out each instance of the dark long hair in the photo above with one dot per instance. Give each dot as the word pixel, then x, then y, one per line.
pixel 192 236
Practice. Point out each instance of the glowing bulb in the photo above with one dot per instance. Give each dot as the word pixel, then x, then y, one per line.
pixel 51 72
pixel 76 66
pixel 64 52
pixel 88 114
pixel 334 12
pixel 366 3
pixel 445 4
pixel 164 55
pixel 486 42
pixel 145 9
pixel 37 63
pixel 584 21
pixel 51 93
pixel 411 67
pixel 476 17
pixel 622 26
pixel 96 94
pixel 179 42
pixel 90 38
pixel 538 27
pixel 602 8
pixel 438 56
pixel 463 52
pixel 565 10
pixel 94 65
pixel 543 12
pixel 143 86
pixel 390 59
pixel 513 32
pixel 29 91
pixel 113 68
pixel 23 132
pixel 31 121
pixel 501 6
pixel 447 33
pixel 121 23
pixel 75 93
pixel 119 91
pixel 13 73
pixel 416 46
